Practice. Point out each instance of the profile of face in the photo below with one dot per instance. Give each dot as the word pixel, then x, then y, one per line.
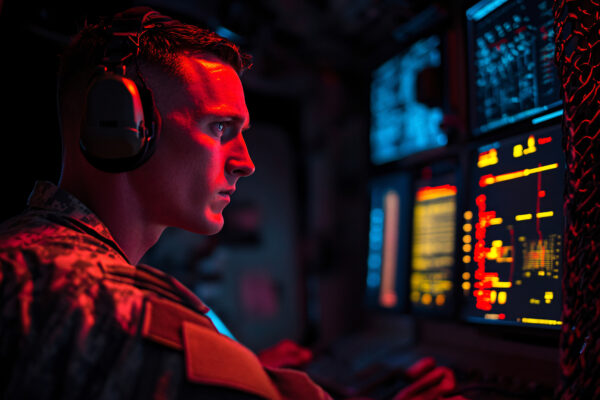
pixel 201 152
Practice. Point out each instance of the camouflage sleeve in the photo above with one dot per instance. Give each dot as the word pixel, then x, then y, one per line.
pixel 76 337
pixel 64 335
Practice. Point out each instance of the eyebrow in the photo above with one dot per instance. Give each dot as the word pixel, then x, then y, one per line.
pixel 228 115
pixel 240 119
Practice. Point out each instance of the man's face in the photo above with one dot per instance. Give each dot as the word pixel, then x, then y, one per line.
pixel 201 153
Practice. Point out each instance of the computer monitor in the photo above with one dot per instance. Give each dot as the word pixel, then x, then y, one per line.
pixel 512 76
pixel 405 112
pixel 512 232
pixel 433 243
pixel 388 242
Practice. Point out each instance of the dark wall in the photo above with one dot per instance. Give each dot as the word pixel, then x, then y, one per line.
pixel 30 142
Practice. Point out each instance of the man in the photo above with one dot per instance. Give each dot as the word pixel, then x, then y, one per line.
pixel 79 319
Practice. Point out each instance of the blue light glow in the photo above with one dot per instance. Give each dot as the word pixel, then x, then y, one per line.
pixel 219 324
pixel 377 215
pixel 547 117
pixel 483 8
pixel 374 261
pixel 488 147
pixel 373 280
pixel 400 124
pixel 227 34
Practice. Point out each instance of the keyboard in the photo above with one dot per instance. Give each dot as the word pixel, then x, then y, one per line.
pixel 363 365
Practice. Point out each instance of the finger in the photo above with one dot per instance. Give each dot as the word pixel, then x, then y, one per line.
pixel 448 382
pixel 432 385
pixel 420 368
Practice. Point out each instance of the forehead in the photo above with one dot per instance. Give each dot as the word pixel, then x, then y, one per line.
pixel 212 86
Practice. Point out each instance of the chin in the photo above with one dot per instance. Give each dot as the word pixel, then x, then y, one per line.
pixel 213 225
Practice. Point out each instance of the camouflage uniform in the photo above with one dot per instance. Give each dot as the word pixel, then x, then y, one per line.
pixel 80 322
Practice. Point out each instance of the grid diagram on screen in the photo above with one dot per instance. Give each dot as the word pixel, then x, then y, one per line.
pixel 512 232
pixel 513 73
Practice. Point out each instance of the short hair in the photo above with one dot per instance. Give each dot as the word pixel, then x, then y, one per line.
pixel 161 44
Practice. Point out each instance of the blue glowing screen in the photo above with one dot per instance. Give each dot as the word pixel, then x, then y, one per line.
pixel 513 77
pixel 400 124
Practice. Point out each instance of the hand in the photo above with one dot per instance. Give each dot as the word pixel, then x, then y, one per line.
pixel 430 382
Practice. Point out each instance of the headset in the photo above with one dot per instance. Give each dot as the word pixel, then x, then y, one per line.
pixel 120 125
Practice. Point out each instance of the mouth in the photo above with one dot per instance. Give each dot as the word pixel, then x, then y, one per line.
pixel 227 192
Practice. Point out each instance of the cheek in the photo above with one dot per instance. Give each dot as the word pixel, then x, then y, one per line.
pixel 191 160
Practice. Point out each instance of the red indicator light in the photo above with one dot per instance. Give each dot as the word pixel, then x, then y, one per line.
pixel 483 181
pixel 520 29
pixel 544 140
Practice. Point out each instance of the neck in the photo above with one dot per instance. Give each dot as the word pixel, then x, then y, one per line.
pixel 116 204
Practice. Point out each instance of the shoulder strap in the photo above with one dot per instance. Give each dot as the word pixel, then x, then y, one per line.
pixel 155 281
pixel 210 357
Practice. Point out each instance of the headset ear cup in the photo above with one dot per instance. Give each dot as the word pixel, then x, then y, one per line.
pixel 115 135
pixel 113 116
pixel 120 124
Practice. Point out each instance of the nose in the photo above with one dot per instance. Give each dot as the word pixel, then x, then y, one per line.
pixel 239 163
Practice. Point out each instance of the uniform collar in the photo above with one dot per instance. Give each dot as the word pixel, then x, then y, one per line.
pixel 47 196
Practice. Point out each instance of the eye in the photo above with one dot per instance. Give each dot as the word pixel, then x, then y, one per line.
pixel 219 128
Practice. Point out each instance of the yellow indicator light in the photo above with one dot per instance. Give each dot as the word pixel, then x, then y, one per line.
pixel 542 273
pixel 467 259
pixel 504 260
pixel 466 247
pixel 497 243
pixel 426 299
pixel 488 158
pixel 540 169
pixel 545 214
pixel 491 316
pixel 549 295
pixel 527 274
pixel 491 179
pixel 440 299
pixel 540 321
pixel 534 301
pixel 466 285
pixel 468 215
pixel 502 285
pixel 518 151
pixel 466 276
pixel 415 296
pixel 467 227
pixel 492 254
pixel 523 217
pixel 467 238
pixel 530 145
pixel 496 221
pixel 502 297
pixel 508 176
pixel 493 296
